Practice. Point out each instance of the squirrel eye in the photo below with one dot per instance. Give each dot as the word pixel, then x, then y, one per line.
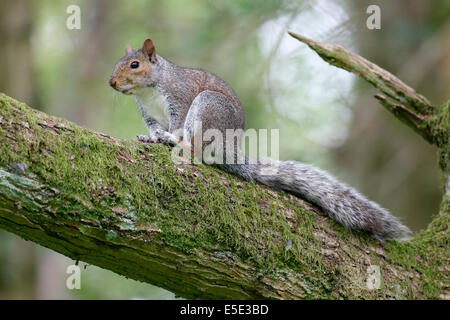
pixel 134 65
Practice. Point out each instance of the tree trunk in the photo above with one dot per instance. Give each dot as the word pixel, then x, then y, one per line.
pixel 195 230
pixel 15 35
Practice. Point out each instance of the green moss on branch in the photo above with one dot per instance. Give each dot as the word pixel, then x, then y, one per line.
pixel 400 99
pixel 193 230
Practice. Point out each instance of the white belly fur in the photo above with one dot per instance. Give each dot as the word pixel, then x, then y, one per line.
pixel 153 104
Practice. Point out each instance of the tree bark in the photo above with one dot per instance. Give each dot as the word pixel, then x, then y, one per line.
pixel 193 229
pixel 431 122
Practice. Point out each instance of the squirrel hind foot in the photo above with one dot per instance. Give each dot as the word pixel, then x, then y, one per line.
pixel 147 139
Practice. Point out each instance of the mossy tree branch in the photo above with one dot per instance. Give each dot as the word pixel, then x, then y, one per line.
pixel 194 230
pixel 407 105
pixel 429 121
pixel 202 233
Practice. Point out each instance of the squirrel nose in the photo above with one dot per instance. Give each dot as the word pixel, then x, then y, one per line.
pixel 113 83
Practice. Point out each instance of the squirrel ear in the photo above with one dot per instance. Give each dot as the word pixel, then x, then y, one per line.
pixel 149 50
pixel 128 49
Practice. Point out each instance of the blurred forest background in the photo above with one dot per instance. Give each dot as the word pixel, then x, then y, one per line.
pixel 326 116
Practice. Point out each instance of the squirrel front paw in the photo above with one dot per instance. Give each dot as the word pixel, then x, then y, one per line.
pixel 147 139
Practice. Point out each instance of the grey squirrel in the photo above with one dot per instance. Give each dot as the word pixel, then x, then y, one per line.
pixel 171 98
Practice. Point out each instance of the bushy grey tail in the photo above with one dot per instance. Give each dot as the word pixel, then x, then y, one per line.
pixel 340 202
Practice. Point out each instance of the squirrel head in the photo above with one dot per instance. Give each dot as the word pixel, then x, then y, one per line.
pixel 135 69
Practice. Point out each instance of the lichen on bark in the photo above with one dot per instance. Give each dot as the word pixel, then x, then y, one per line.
pixel 191 229
pixel 200 232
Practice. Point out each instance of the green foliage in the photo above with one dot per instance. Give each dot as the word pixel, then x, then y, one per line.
pixel 70 73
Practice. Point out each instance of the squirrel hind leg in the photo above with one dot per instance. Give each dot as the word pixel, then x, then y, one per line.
pixel 210 114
